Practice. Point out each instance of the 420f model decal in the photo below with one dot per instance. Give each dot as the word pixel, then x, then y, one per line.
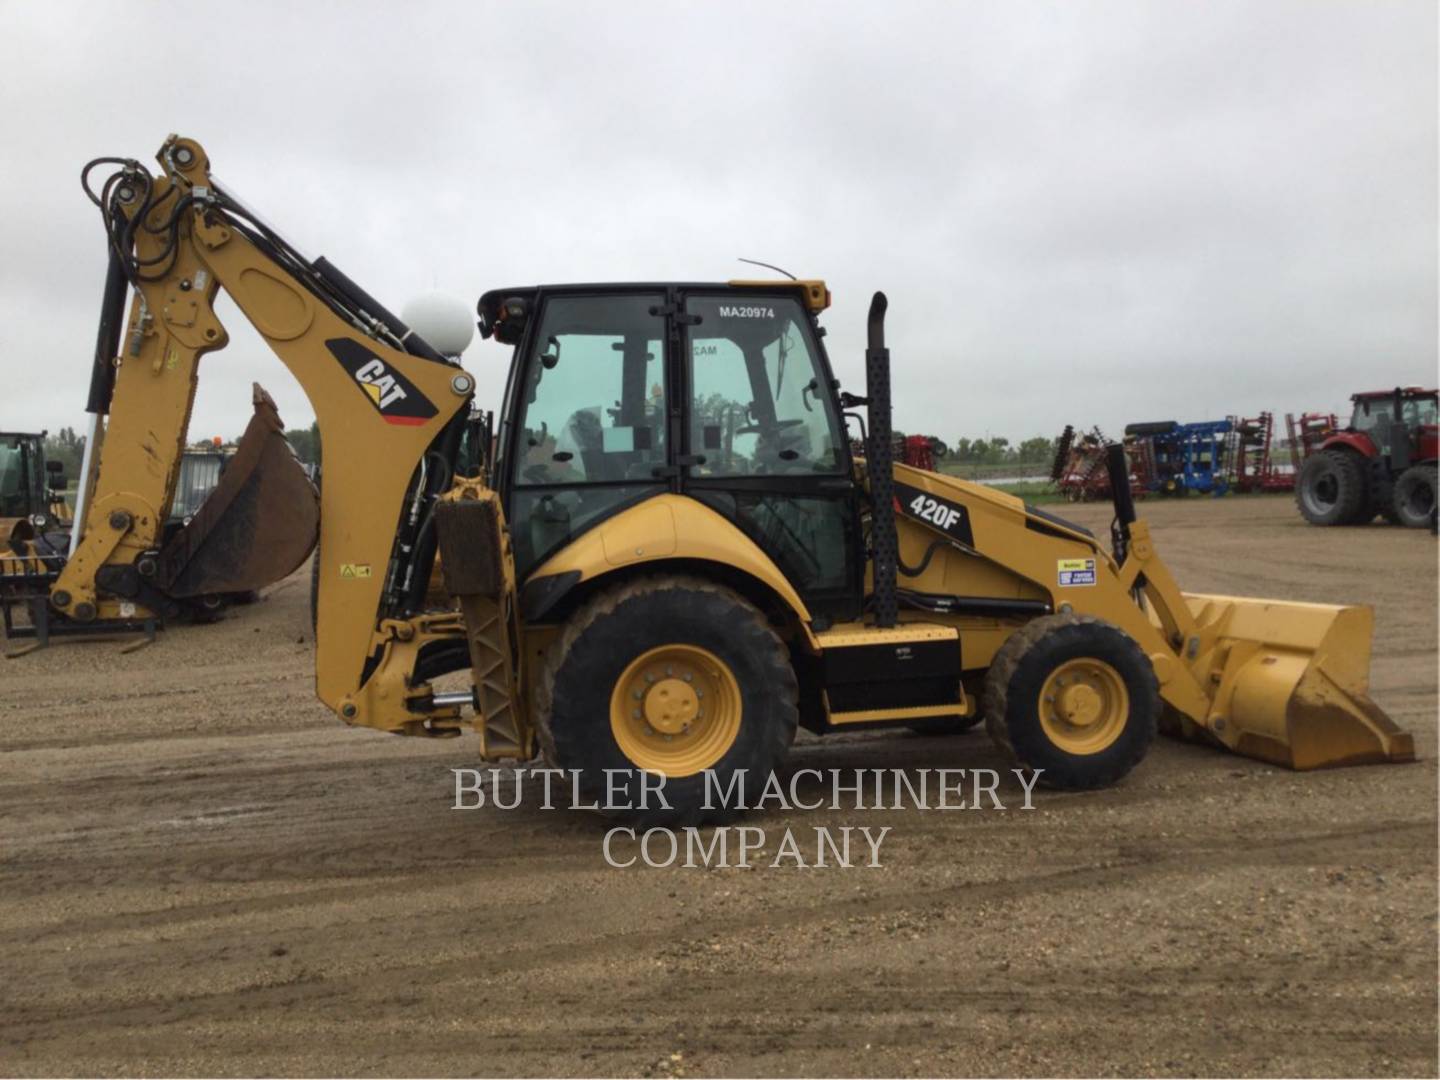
pixel 394 396
pixel 950 518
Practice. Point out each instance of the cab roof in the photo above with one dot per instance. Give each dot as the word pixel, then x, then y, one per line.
pixel 491 308
pixel 1403 391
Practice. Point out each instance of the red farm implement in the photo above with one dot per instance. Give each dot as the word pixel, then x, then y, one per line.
pixel 1250 453
pixel 1079 469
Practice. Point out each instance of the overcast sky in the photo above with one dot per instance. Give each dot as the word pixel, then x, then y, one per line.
pixel 1084 213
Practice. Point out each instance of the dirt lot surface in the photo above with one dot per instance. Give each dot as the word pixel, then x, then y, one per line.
pixel 203 872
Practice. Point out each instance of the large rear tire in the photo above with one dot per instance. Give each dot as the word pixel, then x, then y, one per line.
pixel 672 675
pixel 1073 696
pixel 1331 488
pixel 1415 497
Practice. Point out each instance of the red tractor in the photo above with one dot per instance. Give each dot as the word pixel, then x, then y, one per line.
pixel 1382 462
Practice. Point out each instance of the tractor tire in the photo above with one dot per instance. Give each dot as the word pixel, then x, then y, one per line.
pixel 1074 697
pixel 1415 497
pixel 1331 489
pixel 664 651
pixel 209 608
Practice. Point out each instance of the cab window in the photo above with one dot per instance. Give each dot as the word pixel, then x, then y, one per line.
pixel 1420 412
pixel 592 398
pixel 590 424
pixel 759 406
pixel 19 479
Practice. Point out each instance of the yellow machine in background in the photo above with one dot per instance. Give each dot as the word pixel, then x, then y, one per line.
pixel 671 560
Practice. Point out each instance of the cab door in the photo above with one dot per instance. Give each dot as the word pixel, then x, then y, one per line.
pixel 764 444
pixel 586 418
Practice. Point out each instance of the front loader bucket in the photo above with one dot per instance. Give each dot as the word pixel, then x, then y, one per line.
pixel 258 524
pixel 1288 683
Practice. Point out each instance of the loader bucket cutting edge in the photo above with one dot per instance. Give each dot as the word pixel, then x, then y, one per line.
pixel 258 524
pixel 1289 683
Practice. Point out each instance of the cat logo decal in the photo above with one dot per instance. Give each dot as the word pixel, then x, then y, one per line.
pixel 395 397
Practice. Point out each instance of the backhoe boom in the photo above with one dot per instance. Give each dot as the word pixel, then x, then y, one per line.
pixel 385 401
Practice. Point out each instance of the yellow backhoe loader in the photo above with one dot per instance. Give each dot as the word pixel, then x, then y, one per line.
pixel 671 559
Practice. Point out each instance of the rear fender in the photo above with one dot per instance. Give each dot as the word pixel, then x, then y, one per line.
pixel 1351 440
pixel 664 529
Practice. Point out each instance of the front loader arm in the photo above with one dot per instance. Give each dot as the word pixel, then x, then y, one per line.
pixel 381 410
pixel 1282 681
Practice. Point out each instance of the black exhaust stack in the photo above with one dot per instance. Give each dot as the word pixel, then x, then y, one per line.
pixel 879 454
pixel 1118 466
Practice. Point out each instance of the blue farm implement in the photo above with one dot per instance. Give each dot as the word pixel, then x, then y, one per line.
pixel 1182 458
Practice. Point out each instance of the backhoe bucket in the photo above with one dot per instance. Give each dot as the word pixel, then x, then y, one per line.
pixel 1288 683
pixel 258 524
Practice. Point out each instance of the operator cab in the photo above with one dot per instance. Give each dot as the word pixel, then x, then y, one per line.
pixel 721 392
pixel 22 476
pixel 1399 423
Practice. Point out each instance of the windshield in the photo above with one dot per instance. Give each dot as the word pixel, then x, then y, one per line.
pixel 1419 412
pixel 1378 412
pixel 759 405
pixel 20 481
pixel 199 473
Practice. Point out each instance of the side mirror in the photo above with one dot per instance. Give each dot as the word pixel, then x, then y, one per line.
pixel 509 327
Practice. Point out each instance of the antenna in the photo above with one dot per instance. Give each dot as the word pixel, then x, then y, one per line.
pixel 768 266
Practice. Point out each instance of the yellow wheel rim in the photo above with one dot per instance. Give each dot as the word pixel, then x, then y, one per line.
pixel 675 710
pixel 1084 706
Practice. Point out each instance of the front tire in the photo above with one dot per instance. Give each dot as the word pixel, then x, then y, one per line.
pixel 1415 497
pixel 1073 696
pixel 1331 488
pixel 672 675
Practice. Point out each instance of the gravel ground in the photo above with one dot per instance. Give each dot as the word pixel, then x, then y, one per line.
pixel 203 872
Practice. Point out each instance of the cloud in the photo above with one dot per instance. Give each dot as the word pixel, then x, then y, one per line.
pixel 1088 213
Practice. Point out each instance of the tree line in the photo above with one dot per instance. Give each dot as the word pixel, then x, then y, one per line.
pixel 998 450
pixel 68 446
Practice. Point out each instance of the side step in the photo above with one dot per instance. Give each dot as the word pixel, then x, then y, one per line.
pixel 479 573
pixel 891 675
